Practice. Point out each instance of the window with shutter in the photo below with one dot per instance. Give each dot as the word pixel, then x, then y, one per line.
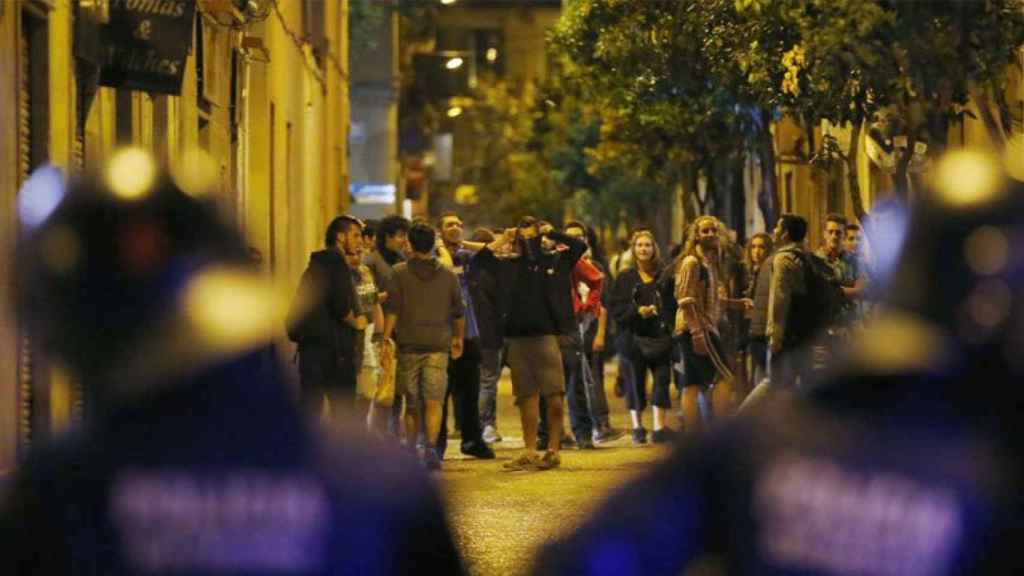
pixel 25 386
pixel 33 150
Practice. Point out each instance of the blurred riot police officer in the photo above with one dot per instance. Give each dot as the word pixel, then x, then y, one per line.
pixel 197 459
pixel 904 461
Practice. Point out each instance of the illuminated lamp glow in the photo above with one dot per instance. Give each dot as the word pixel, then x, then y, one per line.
pixel 455 111
pixel 215 302
pixel 40 195
pixel 195 173
pixel 987 251
pixel 454 63
pixel 131 173
pixel 492 54
pixel 967 179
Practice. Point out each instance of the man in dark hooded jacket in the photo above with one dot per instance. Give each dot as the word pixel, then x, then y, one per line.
pixel 325 317
pixel 905 462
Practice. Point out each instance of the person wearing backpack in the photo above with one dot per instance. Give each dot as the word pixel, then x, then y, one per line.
pixel 791 313
pixel 324 319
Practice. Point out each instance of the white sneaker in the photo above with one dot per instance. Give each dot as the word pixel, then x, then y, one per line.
pixel 491 434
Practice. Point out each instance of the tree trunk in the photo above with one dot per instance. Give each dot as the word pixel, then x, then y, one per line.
pixel 992 124
pixel 853 172
pixel 702 204
pixel 1005 116
pixel 901 179
pixel 768 200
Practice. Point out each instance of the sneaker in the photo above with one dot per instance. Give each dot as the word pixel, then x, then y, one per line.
pixel 430 459
pixel 585 444
pixel 491 434
pixel 478 450
pixel 639 436
pixel 525 461
pixel 567 442
pixel 549 461
pixel 608 434
pixel 663 436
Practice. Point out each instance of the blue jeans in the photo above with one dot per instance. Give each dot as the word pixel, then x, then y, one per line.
pixel 593 377
pixel 758 349
pixel 490 373
pixel 791 369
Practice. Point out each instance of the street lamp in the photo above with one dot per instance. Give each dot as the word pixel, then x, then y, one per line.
pixel 455 111
pixel 454 63
pixel 447 2
pixel 492 54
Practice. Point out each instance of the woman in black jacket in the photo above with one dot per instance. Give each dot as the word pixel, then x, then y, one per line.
pixel 642 305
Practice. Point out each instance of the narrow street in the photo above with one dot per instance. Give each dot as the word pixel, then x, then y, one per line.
pixel 501 518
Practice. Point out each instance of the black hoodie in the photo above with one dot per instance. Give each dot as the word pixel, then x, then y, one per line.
pixel 321 332
pixel 533 288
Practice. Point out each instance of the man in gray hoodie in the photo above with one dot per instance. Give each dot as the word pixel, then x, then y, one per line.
pixel 426 311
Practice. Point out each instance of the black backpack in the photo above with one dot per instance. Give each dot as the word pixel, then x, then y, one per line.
pixel 819 306
pixel 306 314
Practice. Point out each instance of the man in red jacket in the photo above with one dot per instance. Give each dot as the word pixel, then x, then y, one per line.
pixel 588 281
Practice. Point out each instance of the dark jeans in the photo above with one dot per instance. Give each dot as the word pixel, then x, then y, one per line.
pixel 575 392
pixel 464 384
pixel 490 373
pixel 623 342
pixel 757 347
pixel 661 370
pixel 791 368
pixel 320 373
pixel 395 417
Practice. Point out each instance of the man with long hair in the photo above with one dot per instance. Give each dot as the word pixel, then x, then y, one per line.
pixel 700 296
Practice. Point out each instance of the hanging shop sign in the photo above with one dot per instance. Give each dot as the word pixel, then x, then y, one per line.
pixel 146 43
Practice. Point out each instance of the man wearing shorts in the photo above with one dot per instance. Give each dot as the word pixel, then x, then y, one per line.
pixel 527 284
pixel 426 312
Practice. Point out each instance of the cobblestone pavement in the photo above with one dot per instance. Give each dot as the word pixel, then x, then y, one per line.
pixel 501 518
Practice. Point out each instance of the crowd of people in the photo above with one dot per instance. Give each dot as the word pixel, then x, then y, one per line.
pixel 428 318
pixel 195 458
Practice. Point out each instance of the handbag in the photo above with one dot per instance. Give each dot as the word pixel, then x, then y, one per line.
pixel 653 348
pixel 658 347
pixel 384 395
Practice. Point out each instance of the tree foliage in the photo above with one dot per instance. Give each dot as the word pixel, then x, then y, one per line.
pixel 697 80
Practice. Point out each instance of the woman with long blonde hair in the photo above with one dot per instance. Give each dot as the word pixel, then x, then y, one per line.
pixel 638 304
